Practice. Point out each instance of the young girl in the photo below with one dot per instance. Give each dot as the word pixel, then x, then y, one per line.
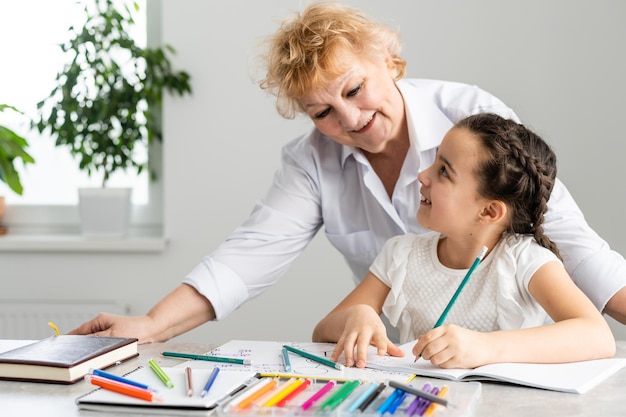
pixel 488 186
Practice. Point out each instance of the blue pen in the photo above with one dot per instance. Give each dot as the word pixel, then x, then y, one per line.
pixel 210 382
pixel 113 377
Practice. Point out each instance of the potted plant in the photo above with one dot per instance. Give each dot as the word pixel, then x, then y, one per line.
pixel 12 148
pixel 106 102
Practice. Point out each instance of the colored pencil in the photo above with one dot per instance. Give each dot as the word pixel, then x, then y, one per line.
pixel 315 358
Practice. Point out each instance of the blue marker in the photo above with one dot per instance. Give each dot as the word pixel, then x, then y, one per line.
pixel 382 409
pixel 212 377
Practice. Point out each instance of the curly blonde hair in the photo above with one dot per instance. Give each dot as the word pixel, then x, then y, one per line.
pixel 301 54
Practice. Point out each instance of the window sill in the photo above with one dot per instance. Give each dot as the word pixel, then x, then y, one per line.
pixel 79 243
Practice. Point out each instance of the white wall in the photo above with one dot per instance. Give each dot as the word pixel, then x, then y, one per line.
pixel 559 64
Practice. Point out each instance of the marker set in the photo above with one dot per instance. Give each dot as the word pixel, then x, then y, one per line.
pixel 305 397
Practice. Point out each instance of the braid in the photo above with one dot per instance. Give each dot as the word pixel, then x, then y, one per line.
pixel 520 170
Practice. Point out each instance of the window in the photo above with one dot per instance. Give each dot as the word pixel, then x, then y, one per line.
pixel 32 31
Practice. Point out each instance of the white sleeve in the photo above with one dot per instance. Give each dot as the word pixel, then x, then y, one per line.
pixel 257 253
pixel 390 267
pixel 597 270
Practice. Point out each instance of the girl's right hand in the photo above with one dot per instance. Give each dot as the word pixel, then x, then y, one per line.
pixel 363 327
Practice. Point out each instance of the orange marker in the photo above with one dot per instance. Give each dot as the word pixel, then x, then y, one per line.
pixel 257 394
pixel 125 389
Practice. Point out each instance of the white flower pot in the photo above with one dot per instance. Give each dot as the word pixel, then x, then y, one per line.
pixel 104 212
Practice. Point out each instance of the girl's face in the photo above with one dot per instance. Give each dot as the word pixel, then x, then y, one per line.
pixel 361 108
pixel 450 201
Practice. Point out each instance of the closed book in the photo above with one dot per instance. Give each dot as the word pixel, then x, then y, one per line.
pixel 65 358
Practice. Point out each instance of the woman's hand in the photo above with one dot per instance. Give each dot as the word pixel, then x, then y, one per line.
pixel 451 346
pixel 105 324
pixel 363 327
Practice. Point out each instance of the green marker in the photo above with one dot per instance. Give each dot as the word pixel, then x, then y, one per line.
pixel 160 373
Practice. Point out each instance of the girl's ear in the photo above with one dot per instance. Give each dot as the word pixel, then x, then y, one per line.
pixel 493 212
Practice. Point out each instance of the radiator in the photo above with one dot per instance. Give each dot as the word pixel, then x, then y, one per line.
pixel 29 319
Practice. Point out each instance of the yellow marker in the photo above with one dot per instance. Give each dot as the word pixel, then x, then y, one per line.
pixel 285 390
pixel 54 326
pixel 442 394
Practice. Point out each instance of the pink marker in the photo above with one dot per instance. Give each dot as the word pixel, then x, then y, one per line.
pixel 319 394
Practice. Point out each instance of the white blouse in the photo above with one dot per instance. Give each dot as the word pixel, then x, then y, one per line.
pixel 496 297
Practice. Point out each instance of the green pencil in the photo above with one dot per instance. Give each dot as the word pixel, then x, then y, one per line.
pixel 207 358
pixel 479 258
pixel 315 358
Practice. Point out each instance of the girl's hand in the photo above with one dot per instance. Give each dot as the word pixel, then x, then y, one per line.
pixel 363 327
pixel 451 346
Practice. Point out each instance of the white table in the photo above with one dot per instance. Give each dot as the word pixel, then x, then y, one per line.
pixel 24 399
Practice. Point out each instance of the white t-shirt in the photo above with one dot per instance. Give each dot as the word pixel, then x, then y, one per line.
pixel 496 297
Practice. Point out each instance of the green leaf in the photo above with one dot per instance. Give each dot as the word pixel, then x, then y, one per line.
pixel 94 108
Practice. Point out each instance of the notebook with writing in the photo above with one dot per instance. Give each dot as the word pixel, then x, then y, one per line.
pixel 573 377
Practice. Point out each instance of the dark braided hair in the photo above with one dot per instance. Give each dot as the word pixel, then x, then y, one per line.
pixel 520 170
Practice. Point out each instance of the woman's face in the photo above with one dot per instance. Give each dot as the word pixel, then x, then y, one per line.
pixel 362 107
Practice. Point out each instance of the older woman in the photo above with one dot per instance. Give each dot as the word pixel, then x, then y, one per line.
pixel 355 174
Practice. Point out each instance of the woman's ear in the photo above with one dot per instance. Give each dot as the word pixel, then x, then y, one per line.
pixel 493 212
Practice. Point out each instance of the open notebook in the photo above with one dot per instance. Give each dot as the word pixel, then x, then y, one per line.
pixel 574 377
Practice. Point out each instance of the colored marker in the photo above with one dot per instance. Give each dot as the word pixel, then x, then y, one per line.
pixel 123 380
pixel 319 394
pixel 417 392
pixel 425 404
pixel 160 373
pixel 361 398
pixel 124 389
pixel 370 399
pixel 188 381
pixel 294 393
pixel 210 382
pixel 417 402
pixel 271 383
pixel 250 382
pixel 442 394
pixel 396 403
pixel 283 391
pixel 342 394
pixel 382 409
